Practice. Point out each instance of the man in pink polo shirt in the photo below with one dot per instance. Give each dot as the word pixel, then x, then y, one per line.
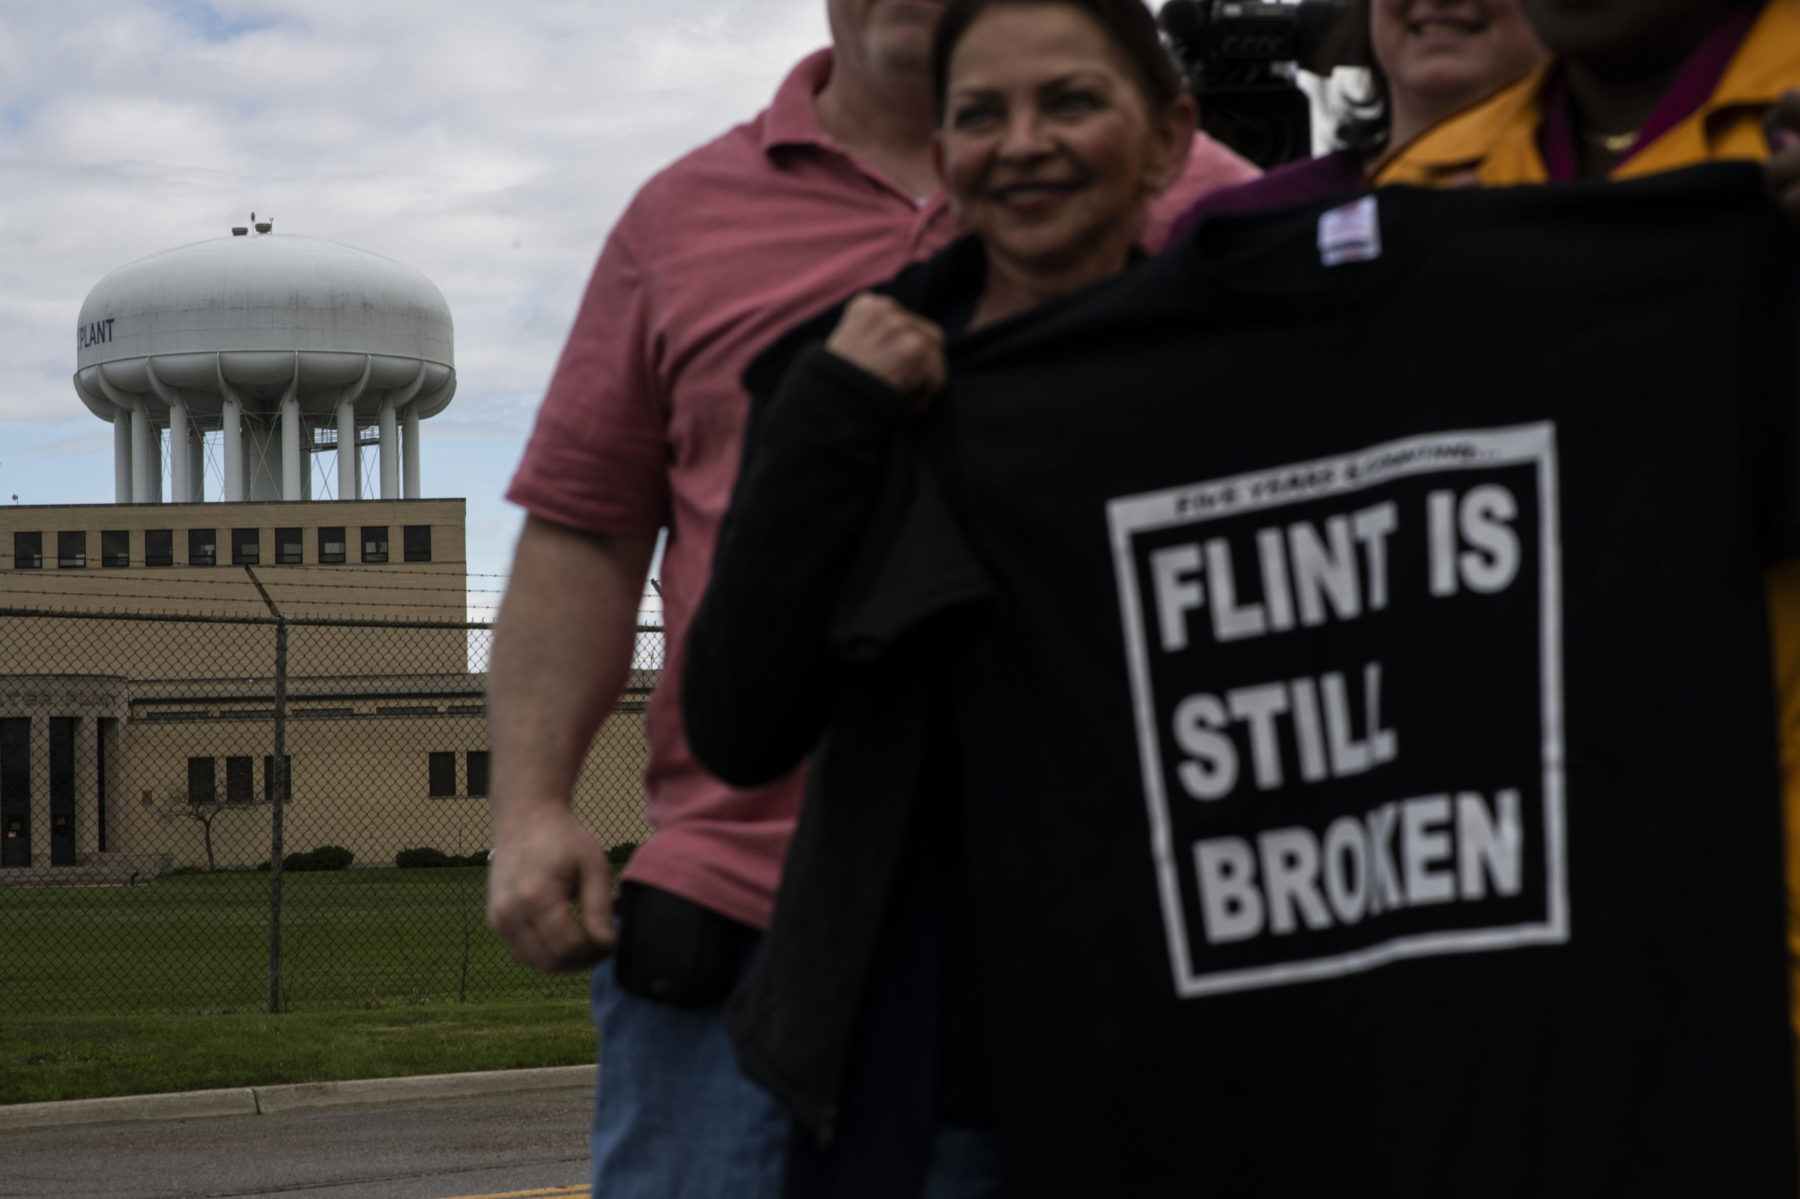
pixel 827 191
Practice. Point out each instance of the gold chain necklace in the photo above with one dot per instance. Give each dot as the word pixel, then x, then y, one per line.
pixel 1612 143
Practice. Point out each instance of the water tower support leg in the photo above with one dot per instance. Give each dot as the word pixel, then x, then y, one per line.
pixel 409 445
pixel 234 450
pixel 141 448
pixel 180 476
pixel 122 456
pixel 349 483
pixel 390 452
pixel 291 482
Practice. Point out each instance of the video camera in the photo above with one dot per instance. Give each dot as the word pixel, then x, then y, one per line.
pixel 1240 57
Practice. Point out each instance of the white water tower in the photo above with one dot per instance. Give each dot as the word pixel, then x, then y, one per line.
pixel 287 346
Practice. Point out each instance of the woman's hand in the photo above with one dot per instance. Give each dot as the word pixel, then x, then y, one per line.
pixel 894 344
pixel 1783 126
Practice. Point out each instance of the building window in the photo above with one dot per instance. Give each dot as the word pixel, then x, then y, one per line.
pixel 287 765
pixel 287 547
pixel 115 547
pixel 240 783
pixel 159 547
pixel 331 544
pixel 416 541
pixel 246 547
pixel 28 551
pixel 374 543
pixel 62 790
pixel 203 547
pixel 477 761
pixel 202 787
pixel 443 774
pixel 71 549
pixel 15 791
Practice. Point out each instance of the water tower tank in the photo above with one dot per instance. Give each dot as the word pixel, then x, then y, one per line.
pixel 285 345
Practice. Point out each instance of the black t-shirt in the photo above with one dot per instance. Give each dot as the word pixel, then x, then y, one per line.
pixel 1370 764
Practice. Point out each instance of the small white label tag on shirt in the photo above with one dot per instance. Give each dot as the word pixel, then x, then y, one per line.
pixel 1350 233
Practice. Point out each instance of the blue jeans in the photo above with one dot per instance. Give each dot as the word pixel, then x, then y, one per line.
pixel 673 1117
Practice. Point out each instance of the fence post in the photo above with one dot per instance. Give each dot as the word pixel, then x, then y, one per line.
pixel 278 785
pixel 277 805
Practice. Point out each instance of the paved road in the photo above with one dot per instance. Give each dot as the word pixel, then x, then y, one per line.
pixel 440 1149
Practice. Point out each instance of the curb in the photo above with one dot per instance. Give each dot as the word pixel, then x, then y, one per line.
pixel 264 1101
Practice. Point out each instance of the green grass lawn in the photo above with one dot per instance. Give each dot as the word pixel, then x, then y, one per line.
pixel 353 939
pixel 164 986
pixel 90 1056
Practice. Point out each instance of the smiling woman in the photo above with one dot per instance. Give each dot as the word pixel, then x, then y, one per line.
pixel 1424 62
pixel 1053 136
pixel 1059 124
pixel 1440 56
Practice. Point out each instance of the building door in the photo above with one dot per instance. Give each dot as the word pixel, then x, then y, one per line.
pixel 62 791
pixel 15 792
pixel 62 838
pixel 16 829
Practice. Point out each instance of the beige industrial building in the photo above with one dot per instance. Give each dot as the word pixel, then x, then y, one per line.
pixel 137 648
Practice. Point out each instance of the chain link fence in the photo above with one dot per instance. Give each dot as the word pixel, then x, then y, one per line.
pixel 229 812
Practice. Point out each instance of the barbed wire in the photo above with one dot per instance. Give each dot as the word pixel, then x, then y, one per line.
pixel 252 599
pixel 139 564
pixel 286 586
pixel 283 566
pixel 260 616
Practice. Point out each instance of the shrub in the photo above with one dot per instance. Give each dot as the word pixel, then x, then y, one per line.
pixel 478 858
pixel 620 854
pixel 421 859
pixel 325 857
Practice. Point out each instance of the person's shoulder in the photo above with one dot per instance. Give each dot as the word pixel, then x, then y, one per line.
pixel 691 196
pixel 1767 61
pixel 732 155
pixel 1302 182
pixel 1215 162
pixel 711 180
pixel 1211 166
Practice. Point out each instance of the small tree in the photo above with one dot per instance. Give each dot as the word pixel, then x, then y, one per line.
pixel 203 810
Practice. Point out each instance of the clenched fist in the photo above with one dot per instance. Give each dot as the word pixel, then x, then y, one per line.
pixel 896 345
pixel 549 889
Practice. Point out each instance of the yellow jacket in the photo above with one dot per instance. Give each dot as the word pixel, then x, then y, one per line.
pixel 1496 144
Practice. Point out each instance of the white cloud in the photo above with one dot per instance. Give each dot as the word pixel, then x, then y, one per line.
pixel 489 146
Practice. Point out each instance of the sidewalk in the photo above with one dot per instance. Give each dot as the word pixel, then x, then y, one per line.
pixel 264 1101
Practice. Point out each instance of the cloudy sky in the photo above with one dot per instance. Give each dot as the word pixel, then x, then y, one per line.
pixel 488 145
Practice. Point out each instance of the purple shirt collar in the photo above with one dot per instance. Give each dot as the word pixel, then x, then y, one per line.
pixel 1338 173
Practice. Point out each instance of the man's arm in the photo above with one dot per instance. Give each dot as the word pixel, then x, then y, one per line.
pixel 562 649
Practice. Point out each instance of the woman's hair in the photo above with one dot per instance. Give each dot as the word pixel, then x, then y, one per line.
pixel 1366 119
pixel 1126 23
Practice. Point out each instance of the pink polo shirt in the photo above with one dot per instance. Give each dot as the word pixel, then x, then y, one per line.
pixel 717 256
